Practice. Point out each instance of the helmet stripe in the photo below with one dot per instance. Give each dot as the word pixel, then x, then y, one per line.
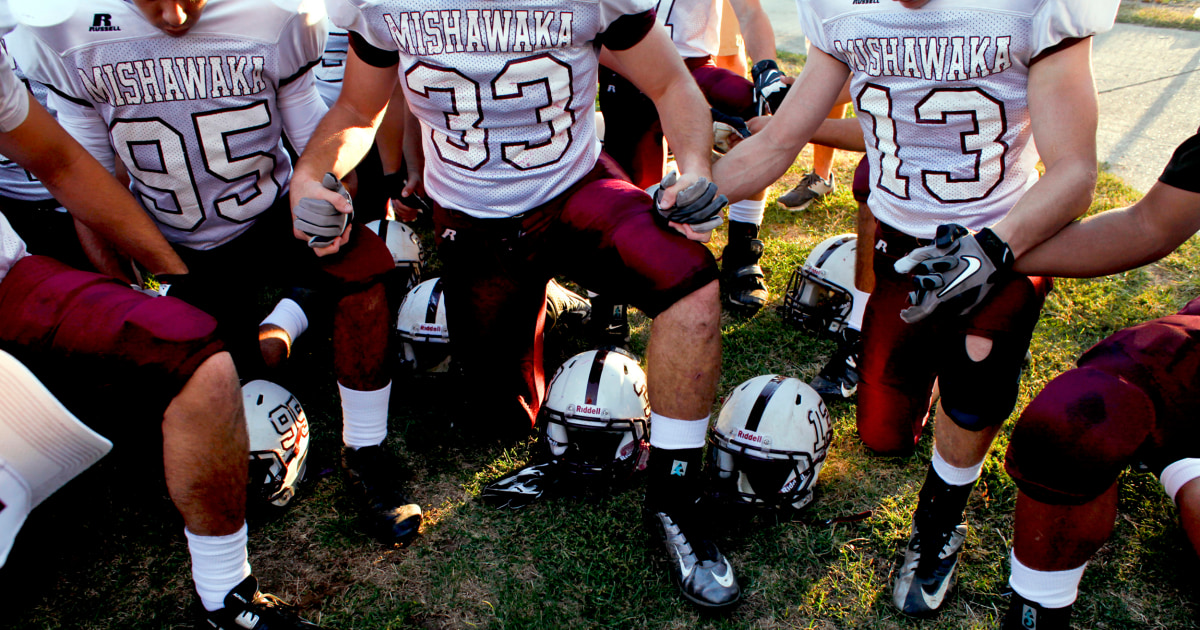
pixel 827 254
pixel 383 229
pixel 435 297
pixel 593 386
pixel 760 405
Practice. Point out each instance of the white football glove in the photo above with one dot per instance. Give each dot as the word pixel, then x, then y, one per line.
pixel 958 268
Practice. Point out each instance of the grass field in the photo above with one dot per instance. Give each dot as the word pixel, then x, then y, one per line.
pixel 1180 14
pixel 108 551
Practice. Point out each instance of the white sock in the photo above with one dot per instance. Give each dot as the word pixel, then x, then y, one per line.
pixel 290 317
pixel 954 475
pixel 1176 475
pixel 364 415
pixel 673 434
pixel 748 211
pixel 1051 589
pixel 219 563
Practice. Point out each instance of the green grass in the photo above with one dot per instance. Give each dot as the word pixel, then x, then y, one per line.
pixel 1161 13
pixel 107 551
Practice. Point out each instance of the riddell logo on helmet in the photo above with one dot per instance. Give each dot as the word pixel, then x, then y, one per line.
pixel 752 437
pixel 430 328
pixel 589 410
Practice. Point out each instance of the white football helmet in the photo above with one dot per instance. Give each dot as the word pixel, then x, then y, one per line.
pixel 421 325
pixel 596 417
pixel 278 432
pixel 405 247
pixel 769 443
pixel 821 296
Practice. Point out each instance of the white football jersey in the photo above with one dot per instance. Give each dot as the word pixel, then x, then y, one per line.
pixel 505 94
pixel 195 119
pixel 14 107
pixel 15 181
pixel 941 93
pixel 694 25
pixel 333 64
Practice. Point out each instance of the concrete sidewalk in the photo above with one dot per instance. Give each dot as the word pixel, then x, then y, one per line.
pixel 1149 85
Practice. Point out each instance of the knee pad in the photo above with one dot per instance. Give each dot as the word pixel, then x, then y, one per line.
pixel 1073 440
pixel 980 394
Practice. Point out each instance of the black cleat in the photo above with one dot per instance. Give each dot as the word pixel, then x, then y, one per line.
pixel 247 609
pixel 702 573
pixel 395 518
pixel 839 377
pixel 743 281
pixel 521 488
pixel 928 570
pixel 1028 615
pixel 565 308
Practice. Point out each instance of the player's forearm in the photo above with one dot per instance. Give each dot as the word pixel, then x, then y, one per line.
pixel 687 125
pixel 1060 197
pixel 841 133
pixel 339 143
pixel 758 35
pixel 1118 240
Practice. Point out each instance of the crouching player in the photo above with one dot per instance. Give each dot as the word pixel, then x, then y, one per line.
pixel 1133 400
pixel 88 337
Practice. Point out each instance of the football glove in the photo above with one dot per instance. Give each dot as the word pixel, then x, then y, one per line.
pixel 738 124
pixel 959 268
pixel 769 88
pixel 394 183
pixel 319 219
pixel 518 489
pixel 698 205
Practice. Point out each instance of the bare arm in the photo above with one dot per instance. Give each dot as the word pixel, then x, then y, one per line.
pixel 756 29
pixel 1063 110
pixel 685 115
pixel 1118 240
pixel 759 160
pixel 88 190
pixel 343 137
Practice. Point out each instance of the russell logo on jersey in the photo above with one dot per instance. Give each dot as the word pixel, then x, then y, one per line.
pixel 103 22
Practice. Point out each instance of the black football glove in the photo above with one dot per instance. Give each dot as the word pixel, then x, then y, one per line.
pixel 319 219
pixel 769 88
pixel 522 487
pixel 698 205
pixel 394 184
pixel 958 268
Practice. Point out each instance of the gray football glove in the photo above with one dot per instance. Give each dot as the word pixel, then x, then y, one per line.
pixel 698 205
pixel 319 219
pixel 958 269
pixel 769 88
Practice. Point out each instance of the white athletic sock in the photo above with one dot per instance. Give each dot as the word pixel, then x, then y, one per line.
pixel 1051 589
pixel 954 475
pixel 748 211
pixel 673 434
pixel 364 416
pixel 290 317
pixel 1176 475
pixel 219 563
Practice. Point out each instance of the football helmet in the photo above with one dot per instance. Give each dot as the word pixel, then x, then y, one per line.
pixel 596 417
pixel 821 296
pixel 421 325
pixel 279 438
pixel 405 247
pixel 769 443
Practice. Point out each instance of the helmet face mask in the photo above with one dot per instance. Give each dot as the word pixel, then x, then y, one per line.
pixel 278 431
pixel 769 444
pixel 596 417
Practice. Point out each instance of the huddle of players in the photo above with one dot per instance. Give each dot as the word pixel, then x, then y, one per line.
pixel 194 99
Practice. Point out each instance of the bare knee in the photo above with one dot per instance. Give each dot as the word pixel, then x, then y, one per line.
pixel 978 348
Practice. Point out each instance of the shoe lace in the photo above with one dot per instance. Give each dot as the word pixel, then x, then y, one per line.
pixel 811 178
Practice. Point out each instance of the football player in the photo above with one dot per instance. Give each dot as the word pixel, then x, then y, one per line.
pixel 522 193
pixel 633 133
pixel 194 98
pixel 949 95
pixel 1132 400
pixel 86 335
